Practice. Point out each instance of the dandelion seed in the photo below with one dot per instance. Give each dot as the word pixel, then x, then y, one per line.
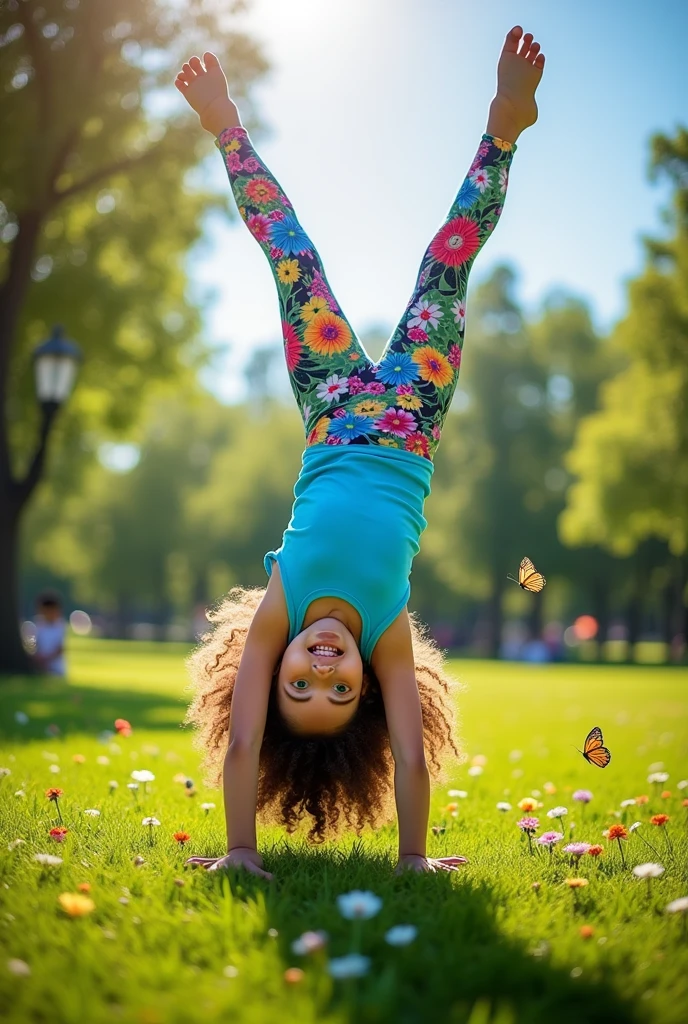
pixel 47 860
pixel 309 942
pixel 58 834
pixel 182 838
pixel 293 975
pixel 92 812
pixel 401 935
pixel 582 796
pixel 75 904
pixel 352 966
pixel 358 905
pixel 503 806
pixel 19 968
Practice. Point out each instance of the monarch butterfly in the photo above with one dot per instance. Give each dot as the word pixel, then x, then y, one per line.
pixel 528 577
pixel 594 750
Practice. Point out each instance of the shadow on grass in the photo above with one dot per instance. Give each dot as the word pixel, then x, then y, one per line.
pixel 52 702
pixel 461 969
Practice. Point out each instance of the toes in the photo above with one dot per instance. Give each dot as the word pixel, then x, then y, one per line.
pixel 525 44
pixel 210 60
pixel 189 72
pixel 512 39
pixel 533 52
pixel 181 83
pixel 195 63
pixel 539 61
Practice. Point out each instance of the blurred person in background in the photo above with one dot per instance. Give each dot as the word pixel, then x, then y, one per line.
pixel 50 634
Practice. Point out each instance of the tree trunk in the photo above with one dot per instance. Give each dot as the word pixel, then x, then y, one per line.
pixel 13 657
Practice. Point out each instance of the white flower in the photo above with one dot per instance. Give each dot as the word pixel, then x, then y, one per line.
pixel 332 388
pixel 460 793
pixel 503 806
pixel 92 812
pixel 19 967
pixel 113 784
pixel 635 825
pixel 425 314
pixel 401 935
pixel 20 794
pixel 208 807
pixel 648 870
pixel 4 772
pixel 557 812
pixel 47 859
pixel 679 906
pixel 54 768
pixel 151 822
pixel 481 178
pixel 230 971
pixel 143 775
pixel 352 966
pixel 14 844
pixel 133 786
pixel 459 311
pixel 628 803
pixel 503 178
pixel 309 942
pixel 102 759
pixel 21 717
pixel 549 788
pixel 359 905
pixel 479 759
pixel 475 770
pixel 658 777
pixel 682 784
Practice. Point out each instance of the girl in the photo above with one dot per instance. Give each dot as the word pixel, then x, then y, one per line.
pixel 307 691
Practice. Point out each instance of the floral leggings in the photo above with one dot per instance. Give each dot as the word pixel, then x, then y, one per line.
pixel 343 396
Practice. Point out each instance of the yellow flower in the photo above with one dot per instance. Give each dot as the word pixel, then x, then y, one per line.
pixel 528 803
pixel 433 366
pixel 288 271
pixel 242 212
pixel 311 309
pixel 501 144
pixel 76 905
pixel 369 408
pixel 327 334
pixel 388 442
pixel 409 401
pixel 319 431
pixel 576 883
pixel 232 146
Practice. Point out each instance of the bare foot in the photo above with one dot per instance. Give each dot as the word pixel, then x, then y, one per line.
pixel 518 75
pixel 205 89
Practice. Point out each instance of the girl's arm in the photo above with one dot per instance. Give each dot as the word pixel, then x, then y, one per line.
pixel 394 666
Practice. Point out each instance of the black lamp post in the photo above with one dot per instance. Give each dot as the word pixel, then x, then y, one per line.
pixel 55 365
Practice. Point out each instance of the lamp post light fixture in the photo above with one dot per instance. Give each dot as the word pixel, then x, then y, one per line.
pixel 55 366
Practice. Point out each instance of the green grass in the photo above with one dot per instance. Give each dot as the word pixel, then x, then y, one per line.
pixel 489 947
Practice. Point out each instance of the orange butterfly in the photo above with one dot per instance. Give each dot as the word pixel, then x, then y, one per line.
pixel 594 750
pixel 528 577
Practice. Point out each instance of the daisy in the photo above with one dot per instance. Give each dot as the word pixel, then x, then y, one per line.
pixel 182 838
pixel 350 426
pixel 261 191
pixel 309 942
pixel 503 806
pixel 433 366
pixel 327 334
pixel 648 870
pixel 410 402
pixel 332 388
pixel 401 935
pixel 418 444
pixel 352 966
pixel 456 242
pixel 397 422
pixel 425 314
pixel 259 225
pixel 481 178
pixel 289 236
pixel 358 905
pixel 288 271
pixel 397 368
pixel 467 195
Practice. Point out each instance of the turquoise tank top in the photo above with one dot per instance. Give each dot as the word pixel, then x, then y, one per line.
pixel 354 532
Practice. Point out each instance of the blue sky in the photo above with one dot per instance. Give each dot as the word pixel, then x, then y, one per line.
pixel 375 109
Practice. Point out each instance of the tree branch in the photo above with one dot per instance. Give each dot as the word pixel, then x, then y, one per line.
pixel 40 65
pixel 24 488
pixel 101 175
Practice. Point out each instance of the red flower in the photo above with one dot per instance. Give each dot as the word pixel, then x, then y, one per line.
pixel 659 819
pixel 181 837
pixel 261 191
pixel 259 226
pixel 397 422
pixel 595 850
pixel 456 242
pixel 617 832
pixel 53 794
pixel 292 345
pixel 417 334
pixel 58 834
pixel 123 727
pixel 418 444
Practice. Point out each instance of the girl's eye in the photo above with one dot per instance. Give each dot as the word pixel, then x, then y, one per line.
pixel 341 688
pixel 301 684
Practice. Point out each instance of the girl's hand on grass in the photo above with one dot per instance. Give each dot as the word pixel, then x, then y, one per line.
pixel 241 857
pixel 414 862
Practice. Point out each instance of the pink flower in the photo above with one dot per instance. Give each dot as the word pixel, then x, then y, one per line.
pixel 275 253
pixel 550 838
pixel 333 439
pixel 319 287
pixel 397 422
pixel 583 796
pixel 375 388
pixel 576 849
pixel 405 389
pixel 259 226
pixel 417 334
pixel 251 164
pixel 528 824
pixel 454 356
pixel 276 215
pixel 233 162
pixel 356 385
pixel 435 432
pixel 292 345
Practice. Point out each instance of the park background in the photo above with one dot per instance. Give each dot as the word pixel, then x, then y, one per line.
pixel 170 469
pixel 168 472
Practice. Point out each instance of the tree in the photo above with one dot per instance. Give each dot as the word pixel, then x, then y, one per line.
pixel 630 457
pixel 97 217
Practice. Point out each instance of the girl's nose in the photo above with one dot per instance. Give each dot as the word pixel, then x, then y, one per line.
pixel 323 670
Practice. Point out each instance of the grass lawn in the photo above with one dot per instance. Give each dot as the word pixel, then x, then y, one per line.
pixel 165 944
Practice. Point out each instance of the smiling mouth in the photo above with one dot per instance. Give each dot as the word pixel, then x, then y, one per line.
pixel 325 651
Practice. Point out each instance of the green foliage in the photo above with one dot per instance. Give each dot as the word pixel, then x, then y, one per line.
pixel 630 457
pixel 489 950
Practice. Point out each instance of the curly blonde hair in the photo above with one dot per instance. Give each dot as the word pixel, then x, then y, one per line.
pixel 343 780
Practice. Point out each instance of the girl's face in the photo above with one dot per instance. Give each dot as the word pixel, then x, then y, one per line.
pixel 320 679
